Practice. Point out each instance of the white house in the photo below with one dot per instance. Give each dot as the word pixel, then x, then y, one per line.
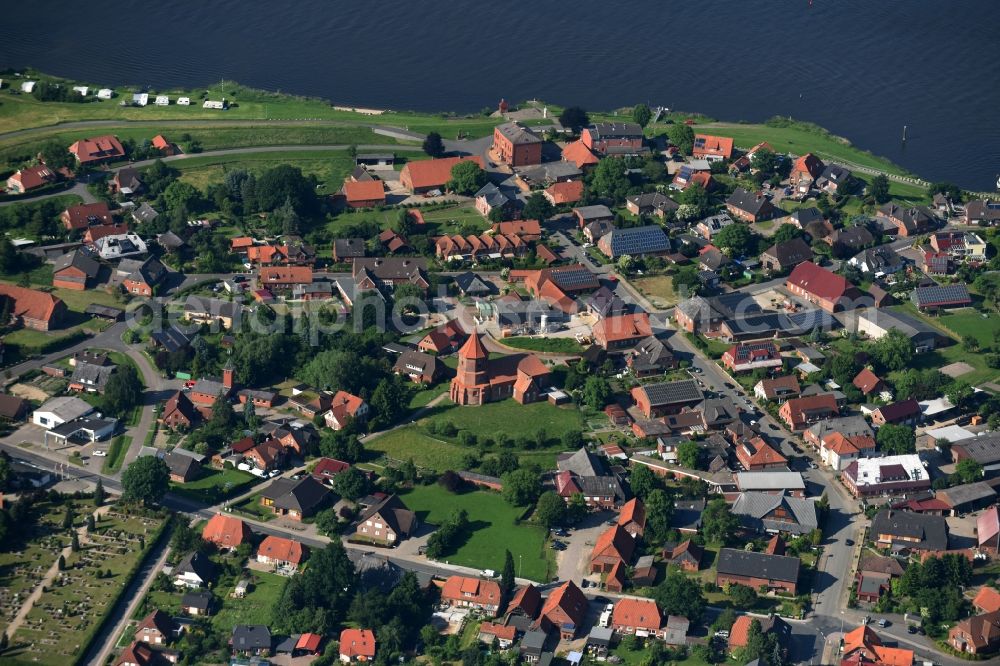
pixel 213 104
pixel 184 101
pixel 83 90
pixel 120 245
pixel 162 100
pixel 28 86
pixel 58 411
pixel 140 99
pixel 105 93
pixel 194 571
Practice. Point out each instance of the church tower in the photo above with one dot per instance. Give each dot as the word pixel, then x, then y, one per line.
pixel 471 383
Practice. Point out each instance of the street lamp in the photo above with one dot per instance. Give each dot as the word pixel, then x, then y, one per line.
pixel 519 565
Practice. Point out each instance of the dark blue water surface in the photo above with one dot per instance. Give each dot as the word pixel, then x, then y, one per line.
pixel 861 68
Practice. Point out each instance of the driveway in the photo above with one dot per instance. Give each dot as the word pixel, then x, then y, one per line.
pixel 574 562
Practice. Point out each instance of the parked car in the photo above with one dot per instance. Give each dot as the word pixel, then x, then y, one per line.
pixel 100 454
pixel 882 622
pixel 849 542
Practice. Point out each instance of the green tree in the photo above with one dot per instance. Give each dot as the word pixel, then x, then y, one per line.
pixel 467 178
pixel 960 393
pixel 56 155
pixel 389 400
pixel 642 481
pixel 507 575
pixel 123 390
pixel 521 487
pixel 642 114
pixel 879 189
pixel 718 524
pixel 99 493
pixel 659 511
pixel 180 194
pixel 682 136
pixel 896 440
pixel 737 240
pixel 969 470
pixel 696 197
pixel 680 595
pixel 596 392
pixel 146 480
pixel 433 145
pixel 742 596
pixel 786 232
pixel 317 598
pixel 609 180
pixel 574 118
pixel 893 351
pixel 764 161
pixel 551 509
pixel 351 484
pixel 689 453
pixel 537 207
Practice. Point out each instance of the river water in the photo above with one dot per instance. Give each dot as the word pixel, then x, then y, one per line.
pixel 861 68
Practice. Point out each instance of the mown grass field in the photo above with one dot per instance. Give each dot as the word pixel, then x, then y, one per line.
pixel 330 167
pixel 447 219
pixel 215 485
pixel 549 345
pixel 255 608
pixel 659 289
pixel 494 530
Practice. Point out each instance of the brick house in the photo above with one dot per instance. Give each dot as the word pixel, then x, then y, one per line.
pixel 97 149
pixel 756 454
pixel 423 176
pixel 757 570
pixel 364 194
pixel 782 256
pixel 632 517
pixel 911 221
pixel 613 138
pixel 472 593
pixel 157 628
pixel 903 412
pixel 226 532
pixel 805 170
pixel 639 617
pixel 33 309
pixel 142 276
pixel 74 270
pixel 622 331
pixel 712 148
pixel 357 645
pixel 345 407
pixel 778 389
pixel 179 412
pixel 387 522
pixel 685 555
pixel 825 289
pixel 614 545
pixel 31 178
pixel 517 145
pixel 564 610
pixel 749 356
pixel 655 400
pixel 749 206
pixel 798 413
pixel 82 216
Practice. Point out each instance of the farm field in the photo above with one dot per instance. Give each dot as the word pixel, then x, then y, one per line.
pixel 494 530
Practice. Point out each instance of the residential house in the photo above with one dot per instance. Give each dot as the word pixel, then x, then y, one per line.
pixel 750 206
pixel 364 194
pixel 685 555
pixel 178 412
pixel 126 182
pixel 879 261
pixel 750 356
pixel 987 600
pixel 30 178
pixel 774 482
pixel 157 628
pixel 444 339
pixel 979 634
pixel 474 593
pixel 579 154
pixel 97 149
pixel 504 635
pixel 614 139
pixel 638 617
pixel 598 213
pixel 869 383
pixel 12 408
pixel 490 198
pixel 712 148
pixel 874 576
pixel 901 530
pixel 889 475
pixel 612 546
pixel 196 603
pixel 769 625
pixel 295 499
pixel 226 532
pixel 781 257
pixel 141 277
pixel 651 357
pixel 778 389
pixel 805 170
pixel 757 570
pixel 564 611
pixel 756 454
pixel 911 221
pixel 835 179
pixel 769 512
pixel 346 249
pixel 517 145
pixel 568 192
pixel 635 242
pixel 838 450
pixel 386 522
pixel 420 367
pixel 81 216
pixel 622 331
pixel 280 553
pixel 863 647
pixel 194 571
pixel 711 226
pixel 982 212
pixel 821 287
pixel 344 408
pixel 75 270
pixel 251 640
pixel 583 473
pixel 903 412
pixel 650 203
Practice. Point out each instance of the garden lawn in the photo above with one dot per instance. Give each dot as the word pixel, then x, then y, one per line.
pixel 255 608
pixel 550 345
pixel 215 485
pixel 966 322
pixel 494 527
pixel 659 289
pixel 509 417
pixel 116 454
pixel 971 324
pixel 329 167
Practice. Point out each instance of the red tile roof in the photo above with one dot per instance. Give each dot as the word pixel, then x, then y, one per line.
pixel 570 600
pixel 365 190
pixel 35 176
pixel 473 348
pixel 79 216
pixel 97 148
pixel 637 613
pixel 471 590
pixel 866 381
pixel 31 303
pixel 820 282
pixel 226 531
pixel 713 145
pixel 282 549
pixel 357 643
pixel 434 173
pixel 866 641
pixel 579 154
pixel 327 468
pixel 633 511
pixel 987 600
pixel 309 642
pixel 623 327
pixel 565 192
pixel 285 275
pixel 614 542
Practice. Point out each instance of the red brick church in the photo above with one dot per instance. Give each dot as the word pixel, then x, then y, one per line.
pixel 479 380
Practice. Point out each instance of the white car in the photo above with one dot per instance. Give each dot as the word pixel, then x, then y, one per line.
pixel 100 454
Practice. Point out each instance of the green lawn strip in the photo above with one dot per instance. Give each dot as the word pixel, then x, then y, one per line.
pixel 799 139
pixel 550 345
pixel 215 485
pixel 116 454
pixel 252 507
pixel 495 528
pixel 421 395
pixel 255 608
pixel 440 219
pixel 329 167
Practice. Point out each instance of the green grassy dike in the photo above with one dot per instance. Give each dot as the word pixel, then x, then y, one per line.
pixel 264 118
